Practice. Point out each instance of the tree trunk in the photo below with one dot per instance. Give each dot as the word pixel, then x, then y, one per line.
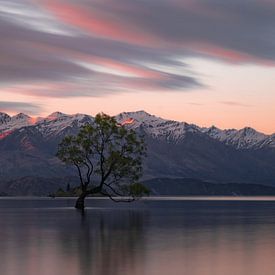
pixel 80 202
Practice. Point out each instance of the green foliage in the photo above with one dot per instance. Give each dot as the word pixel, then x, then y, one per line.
pixel 60 193
pixel 107 156
pixel 73 192
pixel 138 190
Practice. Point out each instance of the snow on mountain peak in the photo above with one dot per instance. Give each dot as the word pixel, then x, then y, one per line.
pixel 157 127
pixel 211 131
pixel 21 116
pixel 55 115
pixel 248 137
pixel 3 114
pixel 4 118
pixel 243 138
pixel 57 122
pixel 138 116
pixel 15 122
pixel 154 126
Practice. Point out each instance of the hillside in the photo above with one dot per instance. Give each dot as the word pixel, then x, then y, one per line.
pixel 175 149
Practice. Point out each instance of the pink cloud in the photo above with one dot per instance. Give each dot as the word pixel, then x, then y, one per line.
pixel 229 55
pixel 97 23
pixel 132 70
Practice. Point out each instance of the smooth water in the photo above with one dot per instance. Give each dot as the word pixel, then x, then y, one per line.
pixel 156 237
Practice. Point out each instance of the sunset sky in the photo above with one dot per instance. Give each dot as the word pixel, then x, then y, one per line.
pixel 204 62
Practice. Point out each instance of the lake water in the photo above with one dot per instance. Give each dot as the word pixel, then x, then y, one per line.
pixel 157 237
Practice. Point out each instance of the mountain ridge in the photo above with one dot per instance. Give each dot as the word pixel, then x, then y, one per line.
pixel 175 149
pixel 245 138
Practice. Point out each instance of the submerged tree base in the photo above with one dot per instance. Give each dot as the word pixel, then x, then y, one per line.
pixel 80 203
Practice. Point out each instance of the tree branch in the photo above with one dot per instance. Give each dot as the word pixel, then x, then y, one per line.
pixel 79 174
pixel 94 190
pixel 114 191
pixel 87 174
pixel 117 200
pixel 91 166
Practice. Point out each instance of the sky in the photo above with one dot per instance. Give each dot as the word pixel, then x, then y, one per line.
pixel 206 62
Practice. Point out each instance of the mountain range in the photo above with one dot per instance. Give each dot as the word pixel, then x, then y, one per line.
pixel 175 149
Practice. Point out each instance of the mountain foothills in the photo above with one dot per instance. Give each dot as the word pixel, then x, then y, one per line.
pixel 175 150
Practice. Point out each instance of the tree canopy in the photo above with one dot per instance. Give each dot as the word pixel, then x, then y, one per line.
pixel 108 159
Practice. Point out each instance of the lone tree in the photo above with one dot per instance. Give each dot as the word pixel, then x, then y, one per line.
pixel 108 158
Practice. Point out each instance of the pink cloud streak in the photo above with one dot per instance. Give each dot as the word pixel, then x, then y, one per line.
pixel 98 23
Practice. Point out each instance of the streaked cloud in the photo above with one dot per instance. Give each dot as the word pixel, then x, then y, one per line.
pixel 233 30
pixel 13 106
pixel 55 48
pixel 235 104
pixel 195 103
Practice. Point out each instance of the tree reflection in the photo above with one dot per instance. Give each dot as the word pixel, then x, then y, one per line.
pixel 106 242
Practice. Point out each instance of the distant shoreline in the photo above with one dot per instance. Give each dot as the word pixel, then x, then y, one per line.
pixel 155 198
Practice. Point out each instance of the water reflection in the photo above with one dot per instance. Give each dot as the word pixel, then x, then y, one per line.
pixel 65 242
pixel 192 238
pixel 107 242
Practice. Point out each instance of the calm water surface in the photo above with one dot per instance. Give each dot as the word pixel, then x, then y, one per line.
pixel 156 237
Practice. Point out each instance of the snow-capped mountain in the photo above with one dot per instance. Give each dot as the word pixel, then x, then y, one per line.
pixel 246 138
pixel 4 118
pixel 8 123
pixel 56 123
pixel 52 125
pixel 175 149
pixel 241 139
pixel 158 127
pixel 269 141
